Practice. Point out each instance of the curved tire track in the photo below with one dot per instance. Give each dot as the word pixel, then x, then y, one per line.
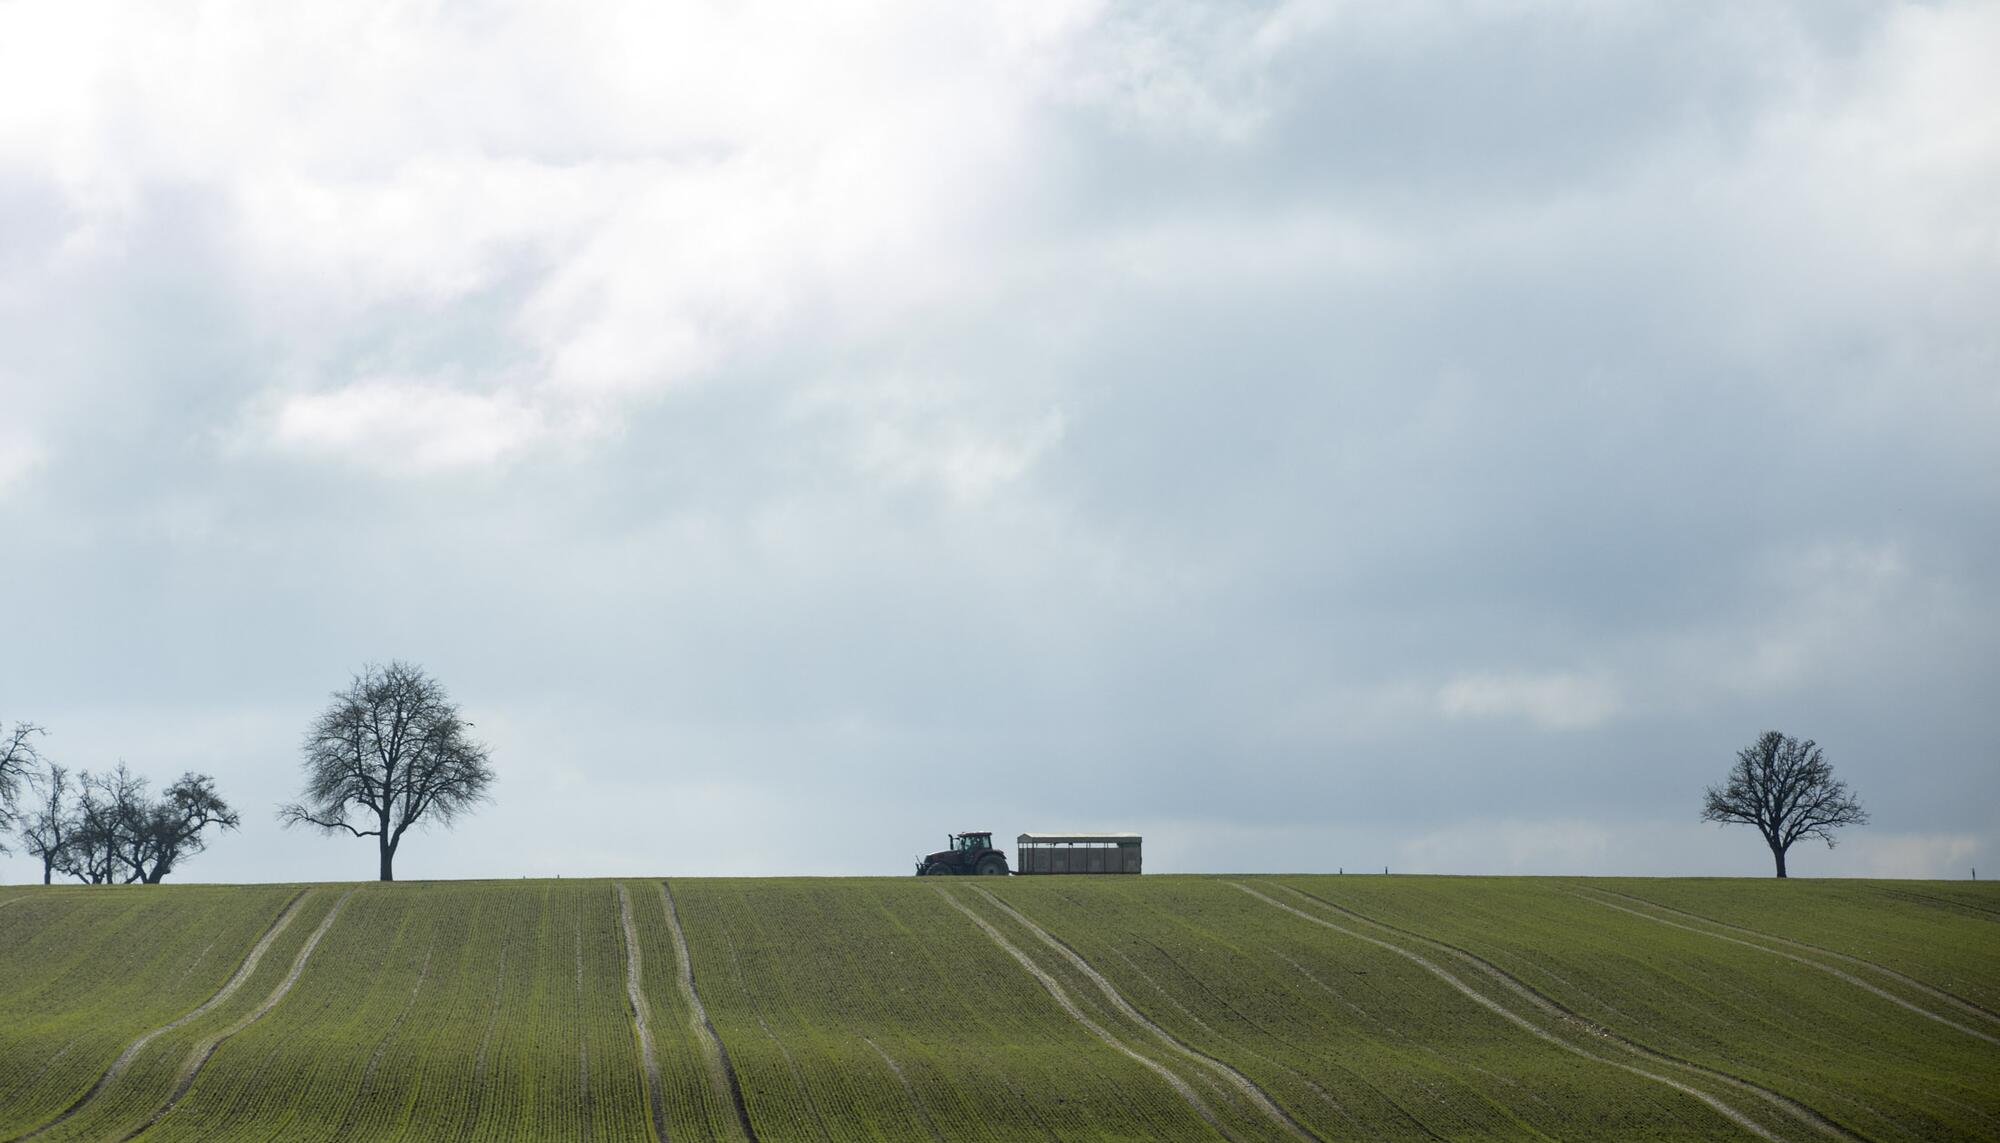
pixel 228 989
pixel 1807 961
pixel 1360 1129
pixel 1055 989
pixel 1257 1096
pixel 1718 1106
pixel 1931 900
pixel 908 1089
pixel 721 1071
pixel 1968 1006
pixel 1798 1109
pixel 198 1058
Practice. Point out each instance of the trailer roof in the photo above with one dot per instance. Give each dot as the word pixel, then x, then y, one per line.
pixel 1057 838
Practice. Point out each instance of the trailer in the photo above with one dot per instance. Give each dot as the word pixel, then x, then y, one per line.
pixel 1077 853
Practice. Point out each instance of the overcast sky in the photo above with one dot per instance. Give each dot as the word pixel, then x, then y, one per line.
pixel 1316 435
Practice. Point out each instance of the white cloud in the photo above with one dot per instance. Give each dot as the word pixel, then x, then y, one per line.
pixel 396 426
pixel 1558 701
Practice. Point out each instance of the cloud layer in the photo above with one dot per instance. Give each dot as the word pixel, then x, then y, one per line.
pixel 1436 436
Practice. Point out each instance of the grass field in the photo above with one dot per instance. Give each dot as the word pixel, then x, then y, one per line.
pixel 1236 1008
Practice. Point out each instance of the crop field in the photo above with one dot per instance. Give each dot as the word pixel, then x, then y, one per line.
pixel 924 1010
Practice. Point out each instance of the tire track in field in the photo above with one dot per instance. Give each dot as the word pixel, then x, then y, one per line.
pixel 907 1089
pixel 1796 1108
pixel 1055 989
pixel 1326 1097
pixel 1257 1096
pixel 1563 1014
pixel 642 1017
pixel 228 989
pixel 1976 912
pixel 1807 961
pixel 1388 1030
pixel 1970 1007
pixel 198 1058
pixel 721 1071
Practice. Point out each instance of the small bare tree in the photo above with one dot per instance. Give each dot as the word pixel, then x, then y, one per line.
pixel 1786 789
pixel 389 752
pixel 17 763
pixel 47 824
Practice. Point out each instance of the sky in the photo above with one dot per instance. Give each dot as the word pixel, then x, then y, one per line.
pixel 1430 436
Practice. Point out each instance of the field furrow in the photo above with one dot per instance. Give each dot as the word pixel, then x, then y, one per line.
pixel 722 1073
pixel 916 1103
pixel 1062 999
pixel 642 1015
pixel 1257 1096
pixel 1967 1007
pixel 904 1010
pixel 1562 1026
pixel 1852 1058
pixel 205 1049
pixel 1795 958
pixel 243 972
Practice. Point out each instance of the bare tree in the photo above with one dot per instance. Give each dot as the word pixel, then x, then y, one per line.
pixel 17 762
pixel 1786 789
pixel 160 834
pixel 105 803
pixel 115 832
pixel 47 824
pixel 389 752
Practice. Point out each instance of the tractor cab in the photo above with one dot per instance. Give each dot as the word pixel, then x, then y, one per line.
pixel 968 852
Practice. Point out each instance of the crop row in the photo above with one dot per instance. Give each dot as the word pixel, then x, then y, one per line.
pixel 998 1009
pixel 87 972
pixel 1869 1063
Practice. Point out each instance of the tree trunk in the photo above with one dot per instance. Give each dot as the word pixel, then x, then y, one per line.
pixel 1779 854
pixel 388 863
pixel 48 868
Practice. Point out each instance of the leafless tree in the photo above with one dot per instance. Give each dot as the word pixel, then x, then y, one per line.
pixel 1786 789
pixel 47 824
pixel 389 752
pixel 17 762
pixel 161 834
pixel 115 832
pixel 104 804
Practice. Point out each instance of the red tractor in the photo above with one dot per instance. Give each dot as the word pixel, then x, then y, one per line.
pixel 969 853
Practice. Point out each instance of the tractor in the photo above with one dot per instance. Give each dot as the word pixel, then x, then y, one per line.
pixel 968 853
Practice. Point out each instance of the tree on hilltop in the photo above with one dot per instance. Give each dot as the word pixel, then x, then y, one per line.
pixel 47 824
pixel 115 832
pixel 1786 789
pixel 389 752
pixel 17 763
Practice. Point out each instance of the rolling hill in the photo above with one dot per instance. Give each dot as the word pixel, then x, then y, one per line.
pixel 1156 1007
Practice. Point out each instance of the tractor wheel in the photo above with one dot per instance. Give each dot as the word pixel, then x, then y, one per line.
pixel 937 869
pixel 991 866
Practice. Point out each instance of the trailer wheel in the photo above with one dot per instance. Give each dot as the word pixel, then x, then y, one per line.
pixel 991 865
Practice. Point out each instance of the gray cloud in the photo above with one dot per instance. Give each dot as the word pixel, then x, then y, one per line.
pixel 1315 436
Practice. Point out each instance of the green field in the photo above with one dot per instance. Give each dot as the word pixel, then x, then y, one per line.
pixel 1238 1008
